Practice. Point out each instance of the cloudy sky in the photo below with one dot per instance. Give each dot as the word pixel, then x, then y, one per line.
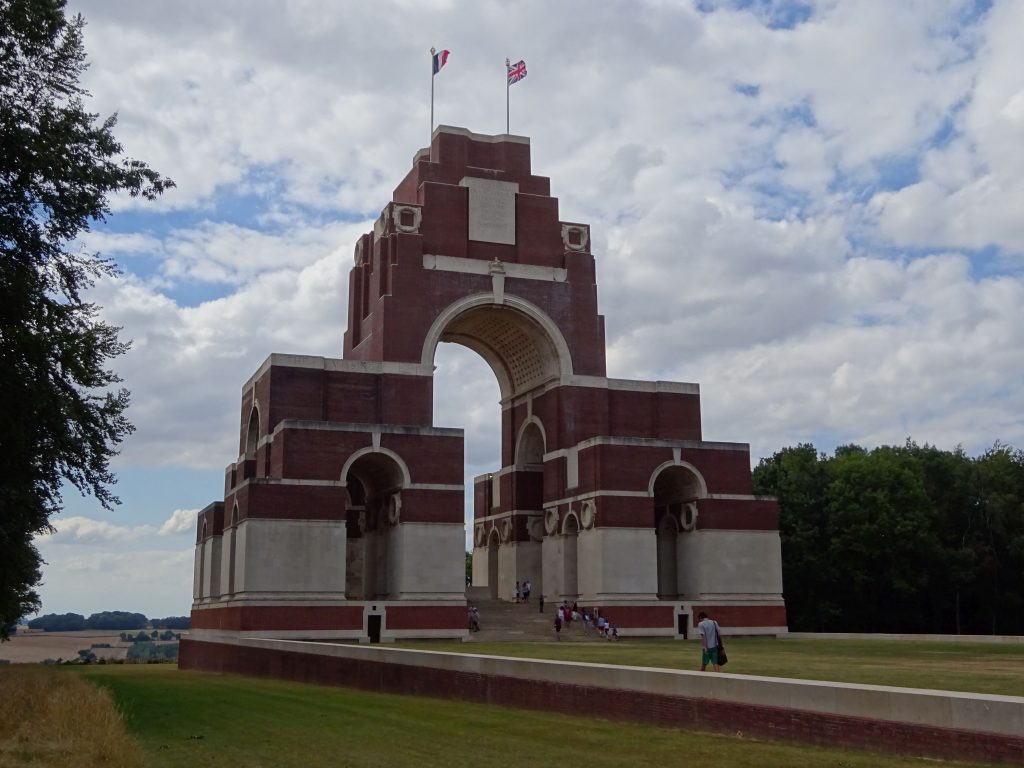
pixel 813 209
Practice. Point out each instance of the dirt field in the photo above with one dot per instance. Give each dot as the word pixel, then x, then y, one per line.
pixel 33 647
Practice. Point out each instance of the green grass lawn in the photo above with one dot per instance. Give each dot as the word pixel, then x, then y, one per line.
pixel 977 668
pixel 195 719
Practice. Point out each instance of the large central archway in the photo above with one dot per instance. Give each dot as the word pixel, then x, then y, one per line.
pixel 525 351
pixel 518 340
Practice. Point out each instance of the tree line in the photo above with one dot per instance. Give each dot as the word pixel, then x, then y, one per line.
pixel 900 539
pixel 72 622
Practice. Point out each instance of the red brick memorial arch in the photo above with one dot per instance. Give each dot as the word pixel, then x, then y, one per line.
pixel 347 502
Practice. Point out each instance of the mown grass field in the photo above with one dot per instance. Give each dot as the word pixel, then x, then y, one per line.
pixel 192 719
pixel 976 668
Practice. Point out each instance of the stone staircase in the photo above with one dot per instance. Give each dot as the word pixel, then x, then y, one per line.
pixel 502 621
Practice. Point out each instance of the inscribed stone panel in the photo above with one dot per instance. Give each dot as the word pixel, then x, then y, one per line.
pixel 492 210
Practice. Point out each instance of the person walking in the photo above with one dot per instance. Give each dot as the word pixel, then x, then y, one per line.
pixel 558 625
pixel 707 628
pixel 540 602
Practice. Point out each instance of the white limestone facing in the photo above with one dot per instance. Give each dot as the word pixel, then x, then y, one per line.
pixel 617 562
pixel 211 567
pixel 427 560
pixel 517 561
pixel 481 267
pixel 492 210
pixel 712 562
pixel 283 556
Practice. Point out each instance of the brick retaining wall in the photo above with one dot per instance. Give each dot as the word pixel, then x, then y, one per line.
pixel 634 694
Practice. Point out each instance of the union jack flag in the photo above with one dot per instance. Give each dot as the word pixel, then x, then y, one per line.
pixel 516 72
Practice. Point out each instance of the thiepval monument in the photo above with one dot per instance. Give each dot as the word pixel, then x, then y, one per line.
pixel 343 515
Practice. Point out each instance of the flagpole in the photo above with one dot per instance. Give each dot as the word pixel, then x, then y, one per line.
pixel 507 62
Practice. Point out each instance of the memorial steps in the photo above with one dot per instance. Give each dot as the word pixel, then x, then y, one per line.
pixel 502 621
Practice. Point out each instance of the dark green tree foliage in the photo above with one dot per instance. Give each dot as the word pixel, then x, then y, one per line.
pixel 63 414
pixel 59 622
pixel 170 622
pixel 900 539
pixel 116 620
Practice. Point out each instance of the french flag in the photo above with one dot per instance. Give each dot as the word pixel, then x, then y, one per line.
pixel 440 59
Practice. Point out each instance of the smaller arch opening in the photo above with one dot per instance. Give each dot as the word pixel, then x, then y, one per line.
pixel 374 482
pixel 677 485
pixel 673 489
pixel 252 433
pixel 530 451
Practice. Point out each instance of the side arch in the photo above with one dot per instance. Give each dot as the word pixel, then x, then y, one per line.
pixel 406 479
pixel 702 486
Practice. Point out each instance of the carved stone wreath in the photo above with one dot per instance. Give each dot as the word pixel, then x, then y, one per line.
pixel 588 514
pixel 505 530
pixel 411 212
pixel 478 535
pixel 551 521
pixel 688 516
pixel 394 508
pixel 535 525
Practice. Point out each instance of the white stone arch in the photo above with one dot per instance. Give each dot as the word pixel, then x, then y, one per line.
pixel 402 466
pixel 544 337
pixel 703 486
pixel 565 523
pixel 532 421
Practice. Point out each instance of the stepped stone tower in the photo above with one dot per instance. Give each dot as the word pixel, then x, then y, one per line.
pixel 343 514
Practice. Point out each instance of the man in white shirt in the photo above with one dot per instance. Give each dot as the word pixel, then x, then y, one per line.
pixel 708 631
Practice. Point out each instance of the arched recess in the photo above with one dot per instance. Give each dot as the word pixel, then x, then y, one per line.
pixel 673 487
pixel 517 339
pixel 690 475
pixel 252 432
pixel 374 479
pixel 531 446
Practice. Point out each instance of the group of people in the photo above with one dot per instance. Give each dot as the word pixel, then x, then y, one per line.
pixel 591 617
pixel 523 591
pixel 712 650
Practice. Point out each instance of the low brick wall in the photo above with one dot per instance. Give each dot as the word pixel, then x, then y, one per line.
pixel 893 720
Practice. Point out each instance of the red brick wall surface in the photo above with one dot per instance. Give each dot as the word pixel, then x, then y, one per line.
pixel 292 502
pixel 738 514
pixel 690 713
pixel 425 617
pixel 743 615
pixel 280 617
pixel 432 506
